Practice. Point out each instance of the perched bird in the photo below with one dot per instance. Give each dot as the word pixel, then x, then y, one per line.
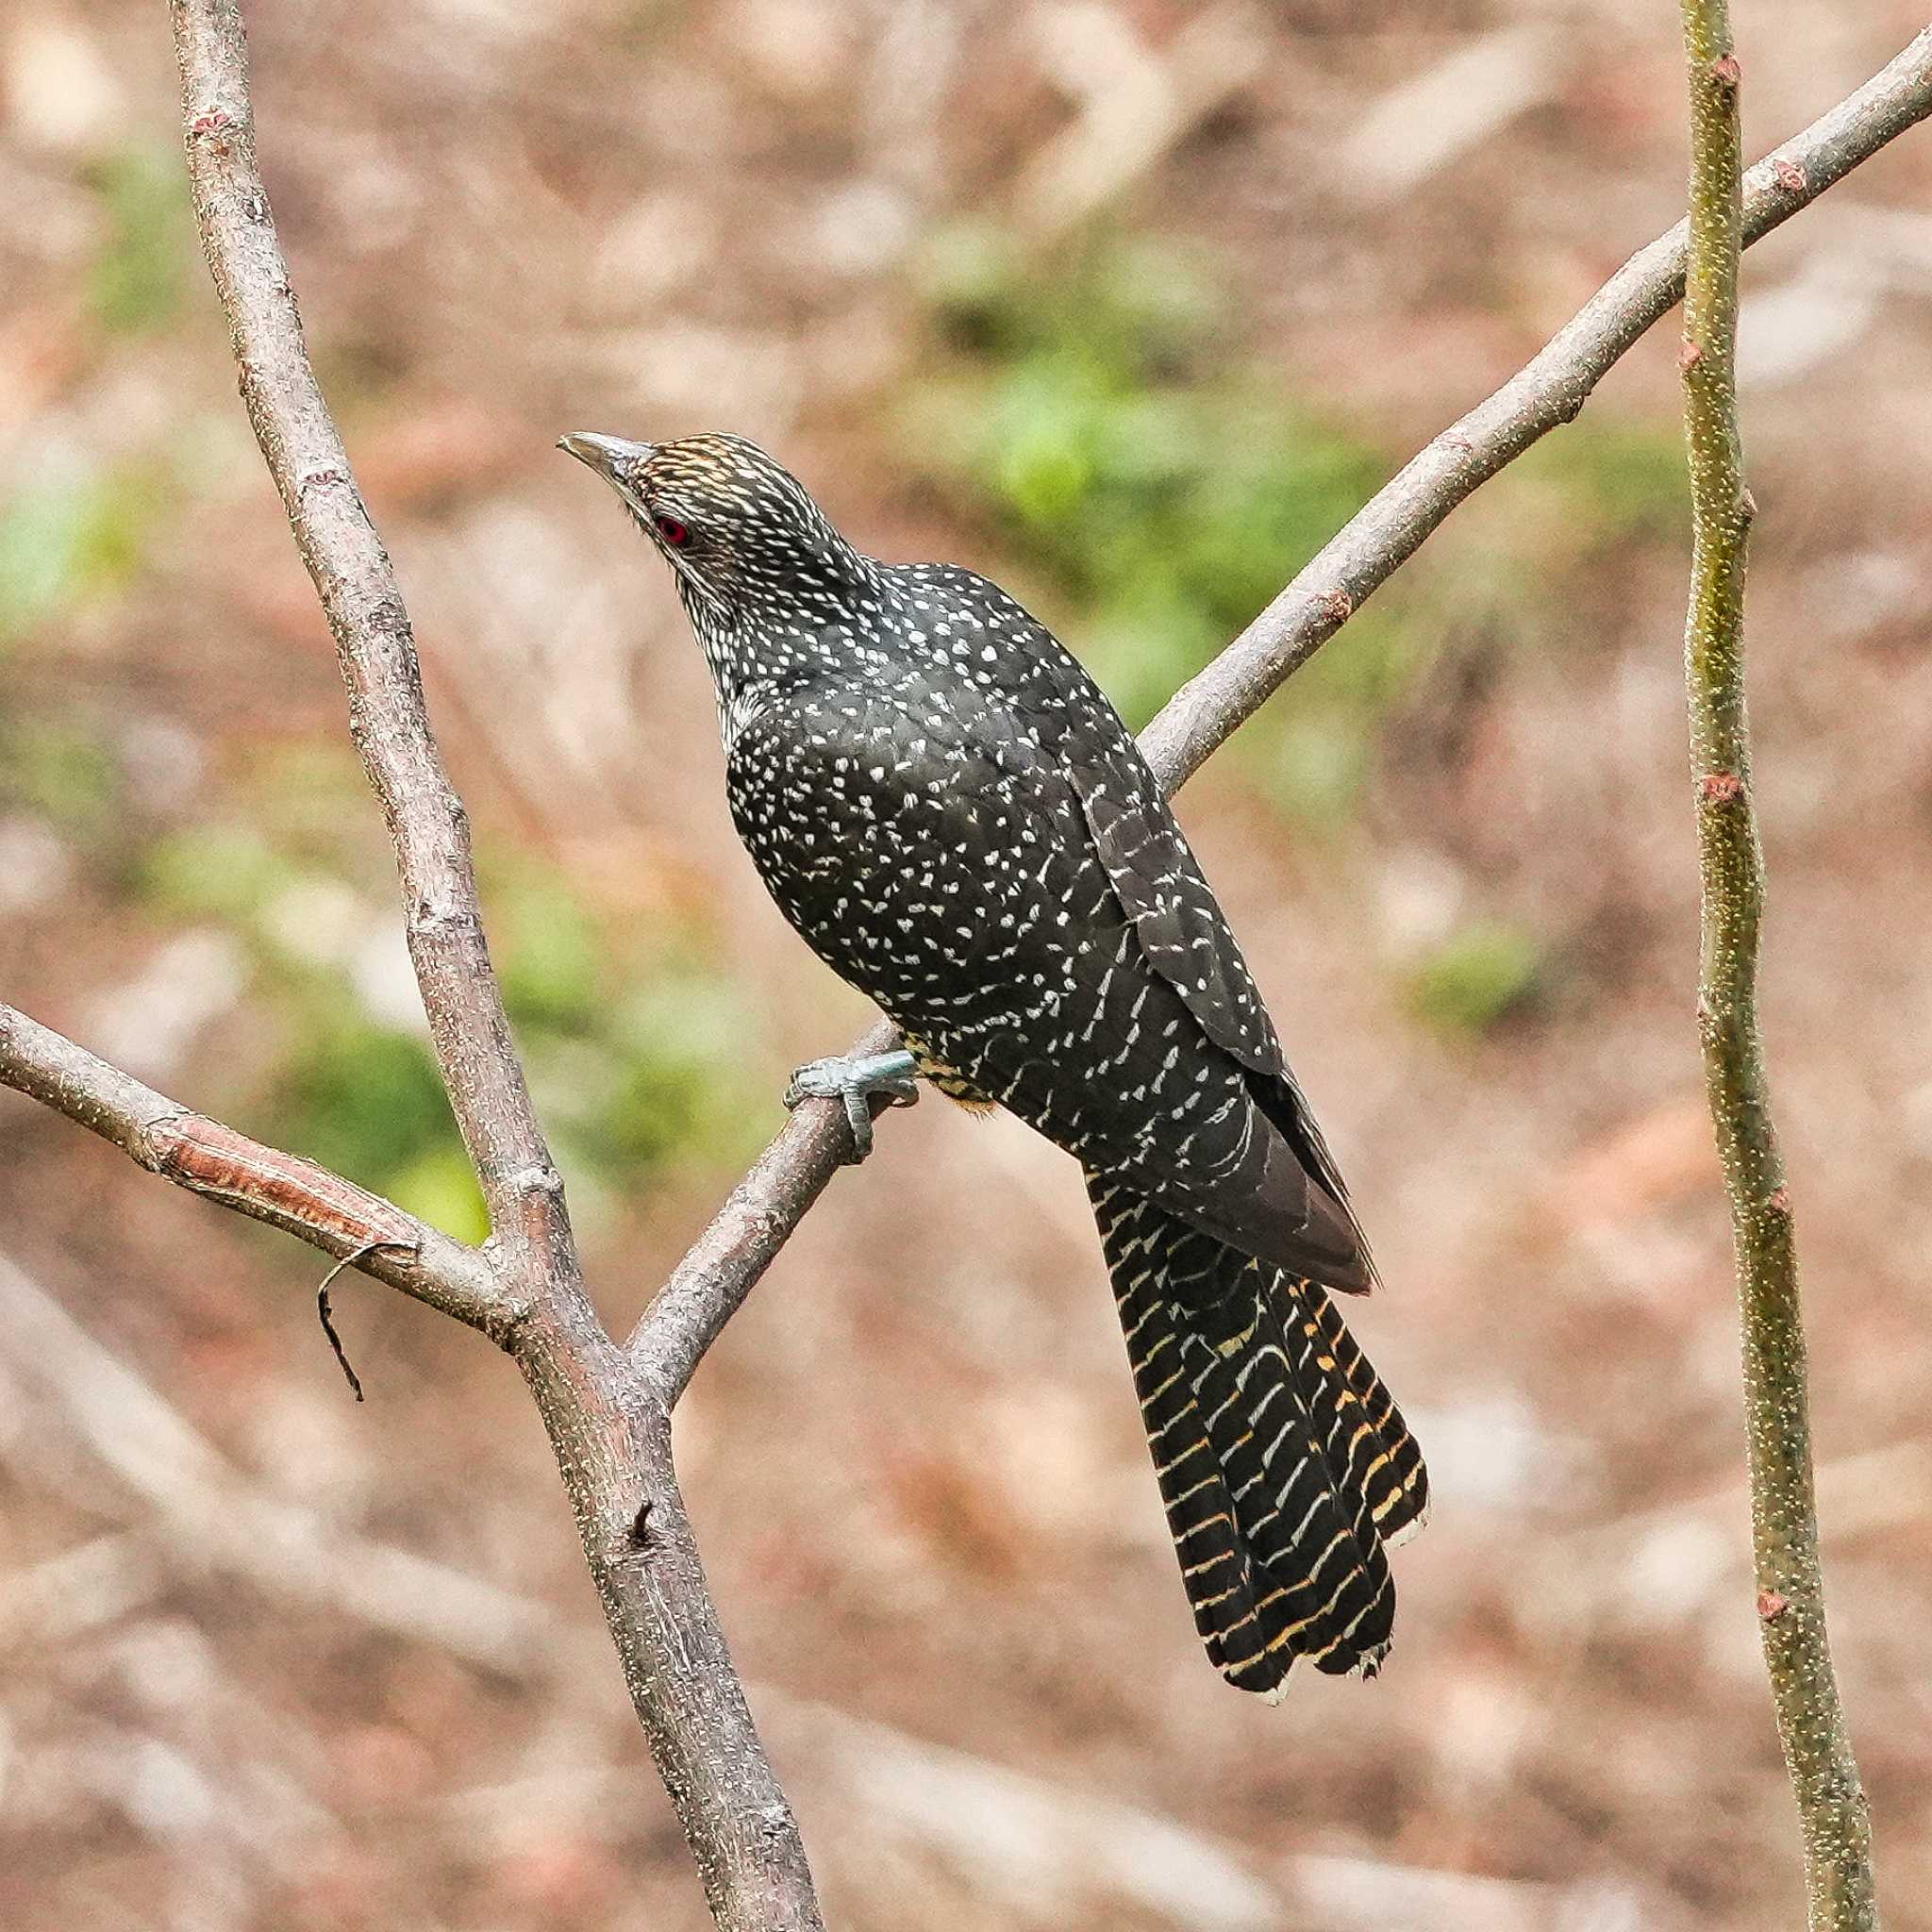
pixel 955 818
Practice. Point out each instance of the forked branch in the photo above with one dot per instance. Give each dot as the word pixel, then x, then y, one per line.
pixel 612 1442
pixel 607 1410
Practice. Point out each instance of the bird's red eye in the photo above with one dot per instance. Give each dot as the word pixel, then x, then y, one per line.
pixel 671 531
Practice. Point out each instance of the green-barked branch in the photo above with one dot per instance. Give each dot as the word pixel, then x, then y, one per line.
pixel 1835 1821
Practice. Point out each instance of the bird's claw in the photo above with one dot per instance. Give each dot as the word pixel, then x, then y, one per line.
pixel 855 1078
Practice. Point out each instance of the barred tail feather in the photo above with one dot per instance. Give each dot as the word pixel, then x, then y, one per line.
pixel 1283 1463
pixel 1394 1482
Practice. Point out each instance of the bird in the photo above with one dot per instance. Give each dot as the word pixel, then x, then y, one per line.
pixel 948 810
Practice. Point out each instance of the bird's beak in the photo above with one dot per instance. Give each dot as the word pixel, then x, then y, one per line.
pixel 613 458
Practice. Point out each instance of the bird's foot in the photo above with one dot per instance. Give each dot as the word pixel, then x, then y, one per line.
pixel 855 1078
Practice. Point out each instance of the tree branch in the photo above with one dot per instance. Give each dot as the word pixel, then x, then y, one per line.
pixel 758 1217
pixel 1836 1823
pixel 734 1250
pixel 295 1195
pixel 363 604
pixel 1550 390
pixel 612 1440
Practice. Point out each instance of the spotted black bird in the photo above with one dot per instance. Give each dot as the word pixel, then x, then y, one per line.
pixel 955 818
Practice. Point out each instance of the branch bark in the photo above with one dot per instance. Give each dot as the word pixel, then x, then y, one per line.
pixel 1550 390
pixel 724 1266
pixel 611 1440
pixel 363 604
pixel 607 1410
pixel 305 1200
pixel 1834 1819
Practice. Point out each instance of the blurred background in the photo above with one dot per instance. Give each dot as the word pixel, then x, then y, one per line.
pixel 1131 304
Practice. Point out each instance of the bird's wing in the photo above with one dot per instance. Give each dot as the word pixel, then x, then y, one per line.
pixel 1133 831
pixel 1178 921
pixel 1008 934
pixel 1176 917
pixel 1188 940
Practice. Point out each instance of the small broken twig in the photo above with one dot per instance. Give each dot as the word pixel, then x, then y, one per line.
pixel 325 1315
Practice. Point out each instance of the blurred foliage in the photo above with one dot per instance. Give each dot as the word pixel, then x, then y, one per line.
pixel 633 1039
pixel 1170 491
pixel 1617 481
pixel 1167 490
pixel 64 543
pixel 1482 974
pixel 1596 491
pixel 364 1098
pixel 214 871
pixel 59 771
pixel 305 791
pixel 147 242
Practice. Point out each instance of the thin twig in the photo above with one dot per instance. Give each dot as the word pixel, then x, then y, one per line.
pixel 730 1256
pixel 324 1313
pixel 1836 1823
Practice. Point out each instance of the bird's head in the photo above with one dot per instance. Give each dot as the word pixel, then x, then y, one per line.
pixel 737 528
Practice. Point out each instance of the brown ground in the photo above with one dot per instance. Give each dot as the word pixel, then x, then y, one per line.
pixel 271 1659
